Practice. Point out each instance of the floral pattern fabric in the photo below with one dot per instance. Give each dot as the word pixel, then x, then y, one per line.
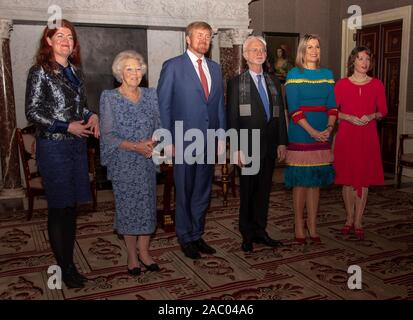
pixel 133 176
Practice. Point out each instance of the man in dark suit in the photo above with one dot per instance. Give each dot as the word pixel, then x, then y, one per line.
pixel 255 102
pixel 191 91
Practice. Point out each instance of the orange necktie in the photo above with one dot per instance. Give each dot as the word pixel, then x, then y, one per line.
pixel 204 81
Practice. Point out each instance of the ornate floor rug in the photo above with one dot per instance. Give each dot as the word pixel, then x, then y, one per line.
pixel 293 272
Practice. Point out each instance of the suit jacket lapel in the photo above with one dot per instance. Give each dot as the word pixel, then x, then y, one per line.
pixel 214 79
pixel 61 77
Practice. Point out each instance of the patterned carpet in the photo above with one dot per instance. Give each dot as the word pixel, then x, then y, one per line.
pixel 292 272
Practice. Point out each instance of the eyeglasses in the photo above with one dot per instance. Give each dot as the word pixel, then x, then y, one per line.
pixel 256 50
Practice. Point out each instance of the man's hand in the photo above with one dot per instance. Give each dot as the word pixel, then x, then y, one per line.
pixel 281 152
pixel 239 158
pixel 169 151
pixel 221 147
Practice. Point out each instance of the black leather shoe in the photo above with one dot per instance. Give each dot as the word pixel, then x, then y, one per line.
pixel 151 267
pixel 268 241
pixel 202 246
pixel 70 281
pixel 75 273
pixel 135 271
pixel 190 250
pixel 247 246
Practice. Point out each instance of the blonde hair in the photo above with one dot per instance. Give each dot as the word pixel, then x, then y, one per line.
pixel 302 47
pixel 197 25
pixel 118 63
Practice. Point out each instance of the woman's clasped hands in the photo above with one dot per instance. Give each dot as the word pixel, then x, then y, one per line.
pixel 321 136
pixel 144 147
pixel 361 121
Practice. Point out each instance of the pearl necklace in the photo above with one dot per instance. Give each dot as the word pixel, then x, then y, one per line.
pixel 354 79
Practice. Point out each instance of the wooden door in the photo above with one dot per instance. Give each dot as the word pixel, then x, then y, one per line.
pixel 385 42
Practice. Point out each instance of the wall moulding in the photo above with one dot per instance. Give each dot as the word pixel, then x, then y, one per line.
pixel 151 13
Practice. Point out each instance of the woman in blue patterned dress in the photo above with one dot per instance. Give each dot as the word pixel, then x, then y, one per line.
pixel 312 110
pixel 129 116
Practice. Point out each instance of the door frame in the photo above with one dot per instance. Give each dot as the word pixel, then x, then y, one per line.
pixel 347 44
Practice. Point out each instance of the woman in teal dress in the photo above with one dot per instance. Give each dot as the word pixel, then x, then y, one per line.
pixel 313 112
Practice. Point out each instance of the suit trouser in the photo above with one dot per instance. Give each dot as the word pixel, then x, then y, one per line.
pixel 193 184
pixel 254 200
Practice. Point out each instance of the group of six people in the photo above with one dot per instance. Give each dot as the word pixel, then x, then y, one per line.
pixel 191 91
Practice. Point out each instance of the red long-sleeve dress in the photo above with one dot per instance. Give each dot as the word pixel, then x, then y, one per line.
pixel 357 157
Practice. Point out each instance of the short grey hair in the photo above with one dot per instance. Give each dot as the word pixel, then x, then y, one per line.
pixel 118 63
pixel 250 39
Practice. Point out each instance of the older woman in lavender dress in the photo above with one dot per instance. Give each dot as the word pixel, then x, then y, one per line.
pixel 129 116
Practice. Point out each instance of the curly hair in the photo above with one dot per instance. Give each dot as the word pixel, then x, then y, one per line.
pixel 118 63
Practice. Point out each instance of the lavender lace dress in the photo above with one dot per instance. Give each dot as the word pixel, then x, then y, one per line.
pixel 133 176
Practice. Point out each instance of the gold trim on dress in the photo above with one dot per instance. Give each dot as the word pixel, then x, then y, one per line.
pixel 309 81
pixel 309 165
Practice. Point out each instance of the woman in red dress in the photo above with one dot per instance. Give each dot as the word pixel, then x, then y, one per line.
pixel 357 159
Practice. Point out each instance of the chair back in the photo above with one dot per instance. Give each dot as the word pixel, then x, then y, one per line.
pixel 26 141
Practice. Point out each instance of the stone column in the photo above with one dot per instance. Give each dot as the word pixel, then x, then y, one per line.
pixel 226 54
pixel 230 49
pixel 10 163
pixel 225 57
pixel 238 37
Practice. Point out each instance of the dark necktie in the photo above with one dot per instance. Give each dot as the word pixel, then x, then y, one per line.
pixel 264 97
pixel 204 81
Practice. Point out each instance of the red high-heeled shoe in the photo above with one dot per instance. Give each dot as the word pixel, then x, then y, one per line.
pixel 316 240
pixel 301 241
pixel 359 232
pixel 347 229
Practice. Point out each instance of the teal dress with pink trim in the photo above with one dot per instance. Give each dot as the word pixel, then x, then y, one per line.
pixel 310 95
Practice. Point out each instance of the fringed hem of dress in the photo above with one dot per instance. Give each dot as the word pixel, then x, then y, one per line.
pixel 309 158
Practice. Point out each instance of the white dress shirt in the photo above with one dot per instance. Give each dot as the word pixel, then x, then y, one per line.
pixel 254 77
pixel 194 59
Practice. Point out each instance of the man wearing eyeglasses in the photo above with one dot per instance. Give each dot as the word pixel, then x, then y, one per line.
pixel 255 102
